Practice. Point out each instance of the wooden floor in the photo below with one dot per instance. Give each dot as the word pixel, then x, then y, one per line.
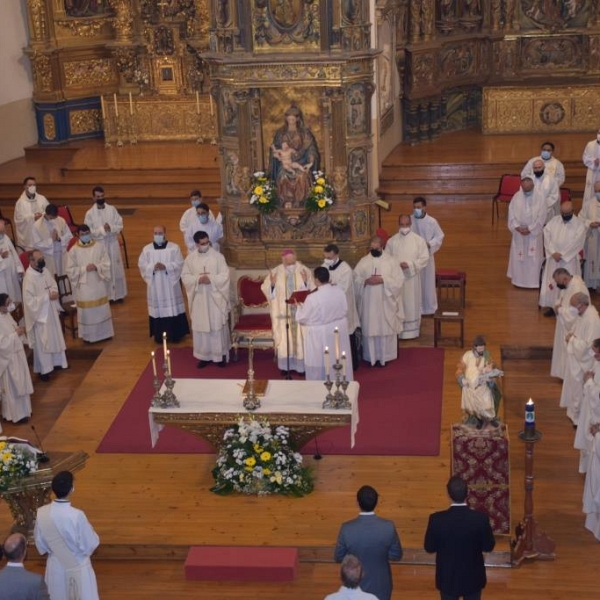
pixel 150 508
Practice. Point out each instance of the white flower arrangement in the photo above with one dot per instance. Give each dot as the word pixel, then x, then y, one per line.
pixel 321 193
pixel 15 463
pixel 263 194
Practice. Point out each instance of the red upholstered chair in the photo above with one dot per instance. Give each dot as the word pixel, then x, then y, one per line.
pixel 509 186
pixel 24 258
pixel 254 326
pixel 565 195
pixel 71 243
pixel 65 212
pixel 384 235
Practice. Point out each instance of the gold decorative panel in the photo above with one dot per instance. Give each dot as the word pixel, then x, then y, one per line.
pixel 49 127
pixel 97 71
pixel 540 109
pixel 85 121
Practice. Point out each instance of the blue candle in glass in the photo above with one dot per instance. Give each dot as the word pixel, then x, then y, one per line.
pixel 530 419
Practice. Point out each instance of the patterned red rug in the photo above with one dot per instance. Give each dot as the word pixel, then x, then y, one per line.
pixel 400 408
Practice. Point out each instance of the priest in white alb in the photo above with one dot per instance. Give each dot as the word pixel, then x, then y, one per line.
pixel 205 276
pixel 568 285
pixel 552 166
pixel 412 255
pixel 11 267
pixel 378 281
pixel 106 225
pixel 526 218
pixel 51 236
pixel 323 315
pixel 429 229
pixel 14 370
pixel 585 330
pixel 88 268
pixel 591 393
pixel 42 321
pixel 591 489
pixel 546 187
pixel 590 214
pixel 564 236
pixel 160 265
pixel 591 159
pixel 28 209
pixel 280 283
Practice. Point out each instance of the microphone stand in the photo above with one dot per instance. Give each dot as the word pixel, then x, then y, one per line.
pixel 288 375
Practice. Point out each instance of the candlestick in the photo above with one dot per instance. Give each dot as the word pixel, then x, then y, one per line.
pixel 130 104
pixel 212 110
pixel 344 364
pixel 530 419
pixel 327 364
pixel 102 108
pixel 165 345
pixel 336 335
pixel 197 103
pixel 153 363
pixel 116 105
pixel 169 363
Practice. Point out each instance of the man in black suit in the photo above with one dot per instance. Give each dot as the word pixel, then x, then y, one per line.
pixel 459 536
pixel 374 541
pixel 16 583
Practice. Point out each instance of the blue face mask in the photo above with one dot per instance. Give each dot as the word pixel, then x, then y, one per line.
pixel 597 195
pixel 85 238
pixel 203 219
pixel 159 239
pixel 418 212
pixel 528 193
pixel 196 203
pixel 546 154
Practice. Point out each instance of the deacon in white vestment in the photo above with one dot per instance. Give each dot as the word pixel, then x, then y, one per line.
pixel 106 224
pixel 202 222
pixel 340 274
pixel 323 315
pixel 190 214
pixel 67 537
pixel 591 489
pixel 545 186
pixel 552 165
pixel 205 276
pixel 281 282
pixel 88 268
pixel 160 265
pixel 526 218
pixel 51 236
pixel 591 392
pixel 411 254
pixel 14 371
pixel 42 321
pixel 564 236
pixel 378 281
pixel 429 229
pixel 591 159
pixel 568 285
pixel 11 267
pixel 590 214
pixel 28 209
pixel 579 340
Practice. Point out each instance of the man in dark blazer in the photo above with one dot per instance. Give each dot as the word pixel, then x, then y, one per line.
pixel 459 536
pixel 374 541
pixel 16 583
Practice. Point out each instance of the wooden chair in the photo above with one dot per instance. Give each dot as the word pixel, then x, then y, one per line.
pixel 68 318
pixel 24 258
pixel 255 326
pixel 65 212
pixel 565 195
pixel 123 246
pixel 508 187
pixel 8 223
pixel 451 291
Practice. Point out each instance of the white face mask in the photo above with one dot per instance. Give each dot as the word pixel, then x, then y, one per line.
pixel 592 353
pixel 31 190
pixel 203 249
pixel 329 262
pixel 573 311
pixel 404 230
pixel 11 307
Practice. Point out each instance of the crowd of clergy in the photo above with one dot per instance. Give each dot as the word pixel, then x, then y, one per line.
pixel 558 252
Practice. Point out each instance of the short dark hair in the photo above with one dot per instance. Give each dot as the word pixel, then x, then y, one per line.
pixel 203 206
pixel 548 144
pixel 200 235
pixel 367 498
pixel 595 343
pixel 51 210
pixel 97 188
pixel 332 248
pixel 420 199
pixel 479 340
pixel 62 484
pixel 457 489
pixel 83 228
pixel 26 179
pixel 3 299
pixel 322 274
pixel 196 193
pixel 351 571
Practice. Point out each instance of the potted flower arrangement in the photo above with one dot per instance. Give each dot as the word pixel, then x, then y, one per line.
pixel 263 194
pixel 321 193
pixel 15 463
pixel 257 459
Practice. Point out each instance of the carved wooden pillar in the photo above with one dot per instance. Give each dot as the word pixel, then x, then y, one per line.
pixel 424 121
pixel 496 14
pixel 415 21
pixel 123 21
pixel 38 22
pixel 247 151
pixel 510 16
pixel 427 19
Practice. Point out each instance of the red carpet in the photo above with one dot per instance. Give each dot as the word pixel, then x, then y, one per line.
pixel 400 407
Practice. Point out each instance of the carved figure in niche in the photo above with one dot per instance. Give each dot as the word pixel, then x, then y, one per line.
pixel 472 8
pixel 351 10
pixel 358 171
pixel 229 110
pixel 447 10
pixel 164 42
pixel 223 13
pixel 293 186
pixel 84 8
pixel 285 12
pixel 385 79
pixel 356 109
pixel 232 173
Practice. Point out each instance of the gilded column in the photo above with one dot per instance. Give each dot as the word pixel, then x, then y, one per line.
pixel 496 14
pixel 123 22
pixel 415 21
pixel 200 24
pixel 244 131
pixel 510 18
pixel 38 21
pixel 427 19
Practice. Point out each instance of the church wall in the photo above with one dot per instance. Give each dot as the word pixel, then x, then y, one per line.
pixel 16 109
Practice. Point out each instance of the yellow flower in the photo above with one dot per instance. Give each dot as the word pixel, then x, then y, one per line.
pixel 321 181
pixel 248 469
pixel 267 471
pixel 258 190
pixel 250 461
pixel 2 445
pixel 263 200
pixel 322 203
pixel 318 189
pixel 257 449
pixel 265 456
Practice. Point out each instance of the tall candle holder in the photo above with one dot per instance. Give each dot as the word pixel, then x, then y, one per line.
pixel 251 400
pixel 157 397
pixel 337 400
pixel 169 399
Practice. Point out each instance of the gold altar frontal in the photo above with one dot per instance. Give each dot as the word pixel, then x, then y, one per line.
pixel 209 407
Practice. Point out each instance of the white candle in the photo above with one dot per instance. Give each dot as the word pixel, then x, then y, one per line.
pixel 197 103
pixel 130 104
pixel 102 108
pixel 344 364
pixel 336 335
pixel 169 362
pixel 212 110
pixel 165 345
pixel 153 364
pixel 327 364
pixel 116 105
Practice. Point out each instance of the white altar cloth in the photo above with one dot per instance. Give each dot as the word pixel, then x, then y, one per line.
pixel 225 396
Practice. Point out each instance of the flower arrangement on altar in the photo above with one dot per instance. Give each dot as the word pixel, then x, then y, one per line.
pixel 263 194
pixel 257 459
pixel 321 193
pixel 15 463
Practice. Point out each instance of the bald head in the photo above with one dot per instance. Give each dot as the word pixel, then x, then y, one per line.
pixel 404 221
pixel 15 547
pixel 566 210
pixel 580 301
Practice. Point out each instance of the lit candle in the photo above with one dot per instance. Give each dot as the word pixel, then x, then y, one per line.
pixel 116 105
pixel 153 364
pixel 197 103
pixel 165 345
pixel 169 362
pixel 530 419
pixel 212 110
pixel 327 364
pixel 344 364
pixel 336 336
pixel 102 108
pixel 130 104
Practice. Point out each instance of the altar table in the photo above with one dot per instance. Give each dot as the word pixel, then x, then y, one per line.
pixel 208 407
